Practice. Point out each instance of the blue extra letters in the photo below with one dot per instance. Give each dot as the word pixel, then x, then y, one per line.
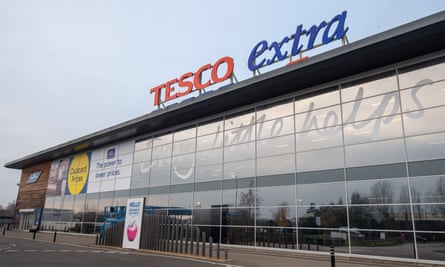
pixel 259 57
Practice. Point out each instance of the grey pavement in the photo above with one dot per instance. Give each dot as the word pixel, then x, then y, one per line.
pixel 246 257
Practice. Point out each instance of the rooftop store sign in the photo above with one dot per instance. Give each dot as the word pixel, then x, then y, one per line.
pixel 302 40
pixel 189 81
pixel 263 54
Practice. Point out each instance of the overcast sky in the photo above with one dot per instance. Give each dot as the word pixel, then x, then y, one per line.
pixel 69 68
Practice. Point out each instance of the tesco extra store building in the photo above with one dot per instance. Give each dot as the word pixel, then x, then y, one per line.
pixel 348 144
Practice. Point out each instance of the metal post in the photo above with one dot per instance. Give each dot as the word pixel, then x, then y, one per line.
pixel 4 230
pixel 218 248
pixel 332 256
pixel 210 247
pixel 34 235
pixel 203 244
pixel 55 236
pixel 191 239
pixel 198 234
pixel 186 238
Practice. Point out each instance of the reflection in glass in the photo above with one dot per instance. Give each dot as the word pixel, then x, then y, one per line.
pixel 239 169
pixel 181 200
pixel 385 191
pixel 279 237
pixel 142 145
pixel 160 200
pixel 317 139
pixel 239 152
pixel 383 152
pixel 238 235
pixel 214 127
pixel 210 141
pixel 274 111
pixel 207 216
pixel 380 217
pixel 239 135
pixel 276 127
pixel 240 217
pixel 321 194
pixel 429 217
pixel 320 239
pixel 185 134
pixel 410 79
pixel 424 147
pixel 370 108
pixel 184 147
pixel 209 157
pixel 428 189
pixel 332 158
pixel 384 243
pixel 322 216
pixel 283 216
pixel 181 176
pixel 429 245
pixel 317 102
pixel 207 199
pixel 142 156
pixel 372 88
pixel 229 197
pixel 162 140
pixel 425 121
pixel 160 178
pixel 317 119
pixel 373 130
pixel 276 165
pixel 186 161
pixel 276 195
pixel 239 121
pixel 276 146
pixel 162 151
pixel 209 173
pixel 425 95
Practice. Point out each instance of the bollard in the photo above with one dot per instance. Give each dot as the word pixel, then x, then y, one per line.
pixel 4 230
pixel 34 235
pixel 210 247
pixel 226 254
pixel 55 236
pixel 203 254
pixel 97 239
pixel 218 247
pixel 332 256
pixel 198 235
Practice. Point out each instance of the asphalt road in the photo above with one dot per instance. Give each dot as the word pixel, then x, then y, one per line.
pixel 34 253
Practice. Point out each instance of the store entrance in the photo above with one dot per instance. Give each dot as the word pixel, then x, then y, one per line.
pixel 26 220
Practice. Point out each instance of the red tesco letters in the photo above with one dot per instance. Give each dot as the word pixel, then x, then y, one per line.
pixel 190 81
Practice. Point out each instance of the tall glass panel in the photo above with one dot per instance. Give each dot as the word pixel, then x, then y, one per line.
pixel 370 108
pixel 276 146
pixel 317 102
pixel 276 127
pixel 328 118
pixel 413 78
pixel 424 121
pixel 383 152
pixel 374 87
pixel 425 95
pixel 276 110
pixel 373 130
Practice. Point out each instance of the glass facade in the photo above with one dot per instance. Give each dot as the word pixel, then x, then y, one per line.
pixel 360 166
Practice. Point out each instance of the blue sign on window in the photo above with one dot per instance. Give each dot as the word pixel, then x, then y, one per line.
pixel 33 177
pixel 111 153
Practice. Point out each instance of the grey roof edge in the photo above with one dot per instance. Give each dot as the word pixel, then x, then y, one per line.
pixel 87 141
